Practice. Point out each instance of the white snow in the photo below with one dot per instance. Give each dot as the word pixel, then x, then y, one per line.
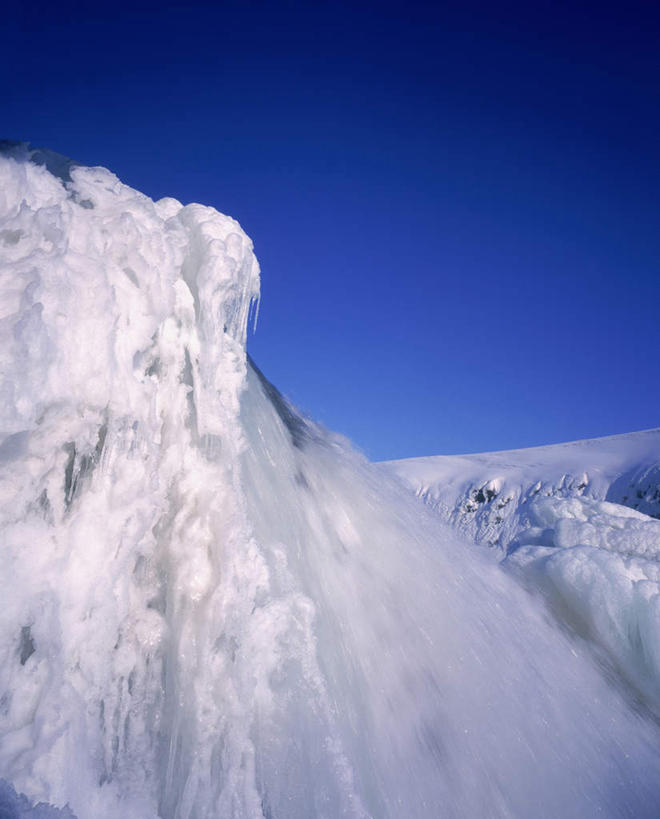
pixel 211 607
pixel 17 806
pixel 597 564
pixel 485 495
pixel 596 561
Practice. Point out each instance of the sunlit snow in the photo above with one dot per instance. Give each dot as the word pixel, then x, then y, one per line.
pixel 578 523
pixel 212 607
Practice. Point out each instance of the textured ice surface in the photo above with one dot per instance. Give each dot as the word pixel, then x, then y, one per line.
pixel 17 806
pixel 486 496
pixel 214 608
pixel 577 521
pixel 597 563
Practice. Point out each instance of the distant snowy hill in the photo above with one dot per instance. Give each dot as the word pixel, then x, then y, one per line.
pixel 212 608
pixel 485 495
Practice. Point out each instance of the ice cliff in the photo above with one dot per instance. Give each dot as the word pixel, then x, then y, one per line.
pixel 211 607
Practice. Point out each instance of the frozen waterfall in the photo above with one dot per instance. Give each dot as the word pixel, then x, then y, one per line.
pixel 212 607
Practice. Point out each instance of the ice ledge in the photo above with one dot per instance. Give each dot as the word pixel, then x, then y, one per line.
pixel 107 295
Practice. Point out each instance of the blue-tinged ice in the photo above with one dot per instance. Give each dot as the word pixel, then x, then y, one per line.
pixel 212 607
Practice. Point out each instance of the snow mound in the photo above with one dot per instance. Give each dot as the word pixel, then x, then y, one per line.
pixel 598 564
pixel 486 496
pixel 214 608
pixel 577 521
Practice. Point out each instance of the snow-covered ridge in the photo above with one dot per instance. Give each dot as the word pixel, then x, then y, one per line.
pixel 485 495
pixel 214 609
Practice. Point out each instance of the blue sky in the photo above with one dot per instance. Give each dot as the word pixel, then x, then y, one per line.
pixel 455 206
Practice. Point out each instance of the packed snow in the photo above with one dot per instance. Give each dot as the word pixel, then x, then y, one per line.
pixel 485 496
pixel 212 607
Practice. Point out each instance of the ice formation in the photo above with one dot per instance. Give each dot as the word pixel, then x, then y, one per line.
pixel 211 607
pixel 486 495
pixel 578 522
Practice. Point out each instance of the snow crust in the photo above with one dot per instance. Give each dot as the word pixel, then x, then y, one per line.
pixel 485 496
pixel 214 608
pixel 17 806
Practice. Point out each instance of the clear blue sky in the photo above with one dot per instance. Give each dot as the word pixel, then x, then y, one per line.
pixel 455 206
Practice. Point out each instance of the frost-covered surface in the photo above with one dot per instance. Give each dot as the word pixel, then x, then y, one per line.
pixel 486 496
pixel 123 334
pixel 17 806
pixel 598 565
pixel 214 608
pixel 577 521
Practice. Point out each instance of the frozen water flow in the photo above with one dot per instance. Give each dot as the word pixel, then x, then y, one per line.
pixel 578 522
pixel 17 806
pixel 214 608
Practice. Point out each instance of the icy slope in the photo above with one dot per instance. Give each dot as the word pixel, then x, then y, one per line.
pixel 123 333
pixel 484 496
pixel 577 521
pixel 213 608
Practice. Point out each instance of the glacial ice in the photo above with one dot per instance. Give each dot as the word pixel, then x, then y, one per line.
pixel 213 607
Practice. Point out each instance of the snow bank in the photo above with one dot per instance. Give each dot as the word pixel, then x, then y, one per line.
pixel 577 521
pixel 486 496
pixel 214 608
pixel 597 563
